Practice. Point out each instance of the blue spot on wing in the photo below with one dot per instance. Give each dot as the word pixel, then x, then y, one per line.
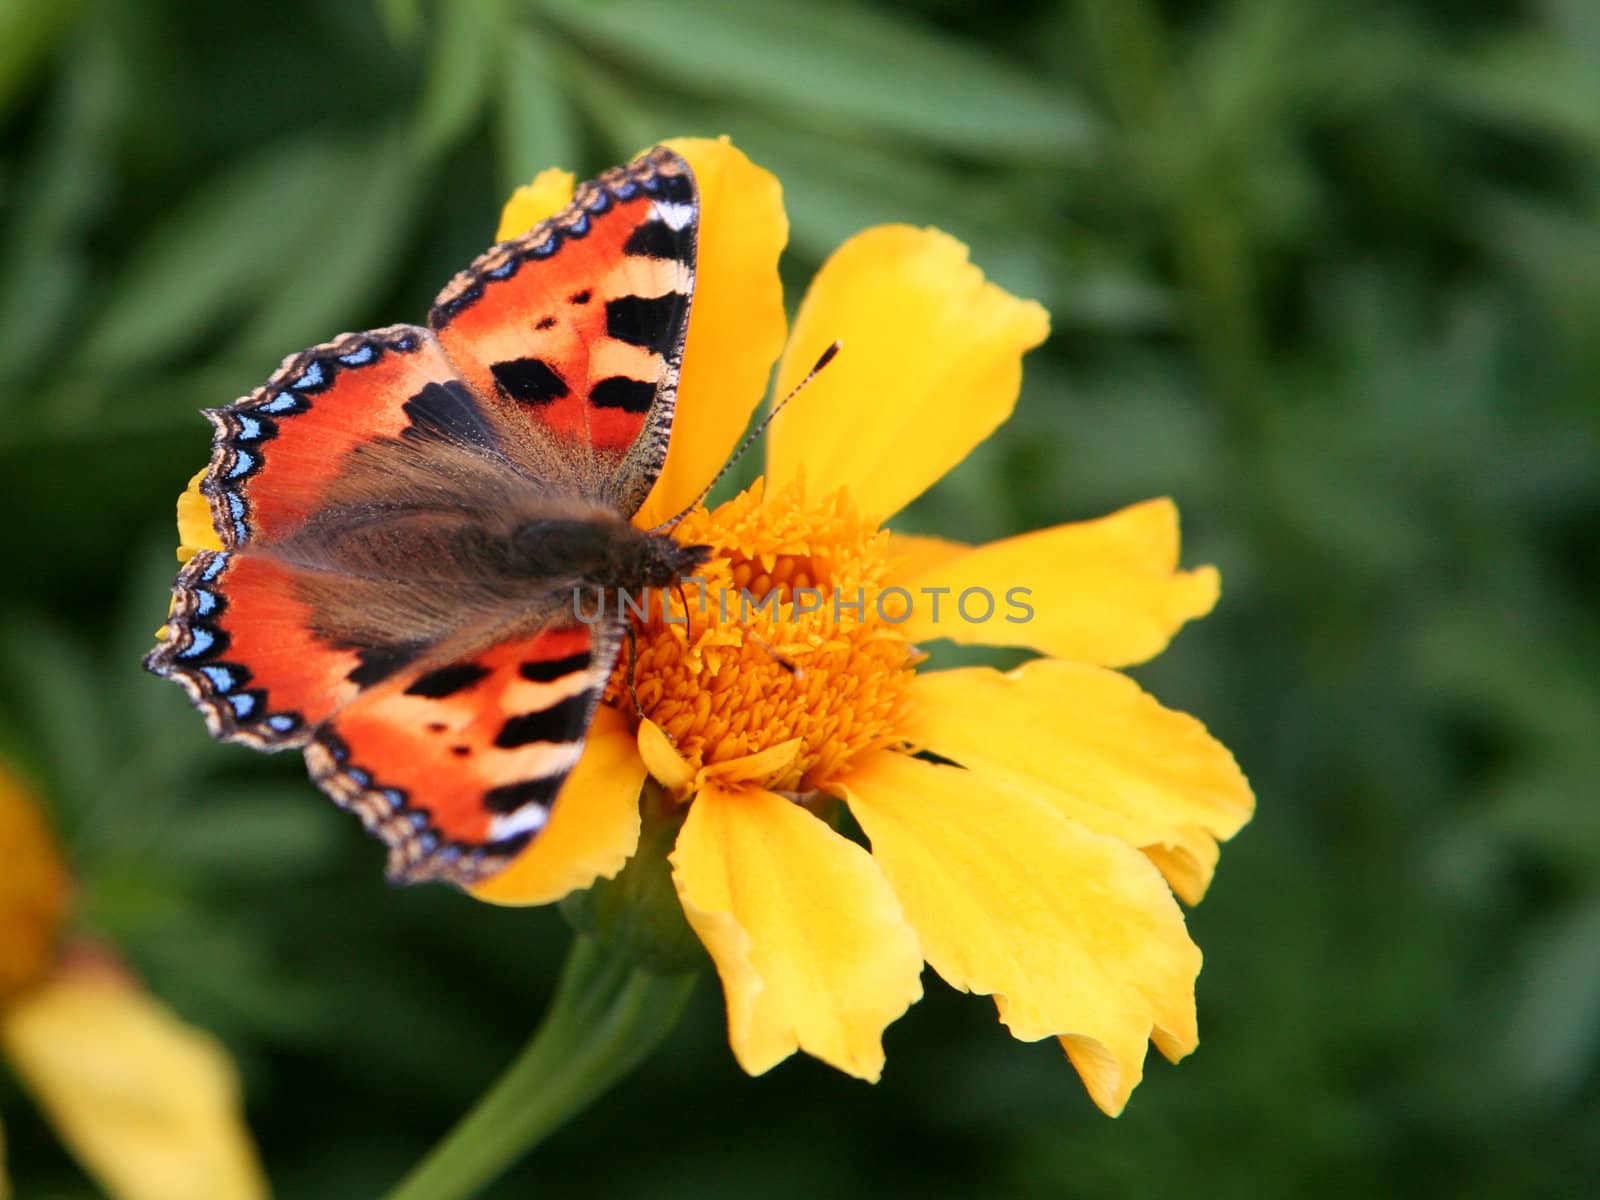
pixel 359 358
pixel 282 402
pixel 204 601
pixel 214 567
pixel 281 722
pixel 314 377
pixel 243 704
pixel 221 678
pixel 243 464
pixel 200 641
pixel 249 429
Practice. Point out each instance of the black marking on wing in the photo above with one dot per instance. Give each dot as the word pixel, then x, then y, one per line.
pixel 652 322
pixel 448 412
pixel 529 380
pixel 630 395
pixel 550 670
pixel 657 239
pixel 509 797
pixel 380 662
pixel 447 681
pixel 564 721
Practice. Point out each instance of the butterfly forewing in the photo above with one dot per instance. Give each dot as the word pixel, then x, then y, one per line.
pixel 580 324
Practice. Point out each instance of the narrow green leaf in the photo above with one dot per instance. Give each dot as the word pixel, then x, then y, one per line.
pixel 52 199
pixel 536 128
pixel 29 31
pixel 461 71
pixel 325 281
pixel 210 260
pixel 402 20
pixel 841 67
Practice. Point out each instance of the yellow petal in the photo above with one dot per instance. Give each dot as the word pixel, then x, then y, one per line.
pixel 593 827
pixel 661 758
pixel 195 529
pixel 736 321
pixel 930 364
pixel 912 554
pixel 33 889
pixel 751 768
pixel 548 194
pixel 1096 747
pixel 149 1105
pixel 1105 591
pixel 1074 933
pixel 812 948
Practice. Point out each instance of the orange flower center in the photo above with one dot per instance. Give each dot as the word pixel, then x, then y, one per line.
pixel 780 639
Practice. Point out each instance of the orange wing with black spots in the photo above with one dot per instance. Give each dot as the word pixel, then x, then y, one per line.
pixel 405 514
pixel 241 640
pixel 456 767
pixel 277 450
pixel 580 324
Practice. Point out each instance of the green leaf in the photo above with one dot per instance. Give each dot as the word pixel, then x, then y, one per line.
pixel 402 19
pixel 842 68
pixel 461 71
pixel 52 199
pixel 1554 1032
pixel 55 684
pixel 29 31
pixel 259 833
pixel 536 128
pixel 211 259
pixel 326 280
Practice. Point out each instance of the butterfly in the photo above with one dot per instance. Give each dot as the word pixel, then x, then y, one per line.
pixel 407 516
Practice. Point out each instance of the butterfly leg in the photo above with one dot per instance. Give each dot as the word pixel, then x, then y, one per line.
pixel 633 666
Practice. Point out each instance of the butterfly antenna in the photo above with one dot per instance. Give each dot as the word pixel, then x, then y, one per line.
pixel 750 440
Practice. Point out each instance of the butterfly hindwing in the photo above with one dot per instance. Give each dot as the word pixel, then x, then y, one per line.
pixel 456 765
pixel 241 642
pixel 580 325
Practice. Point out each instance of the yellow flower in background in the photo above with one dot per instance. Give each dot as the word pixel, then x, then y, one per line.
pixel 1034 857
pixel 148 1105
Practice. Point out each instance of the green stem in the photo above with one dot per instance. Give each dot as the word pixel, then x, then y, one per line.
pixel 607 1015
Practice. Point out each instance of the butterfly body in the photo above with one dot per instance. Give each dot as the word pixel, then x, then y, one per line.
pixel 407 516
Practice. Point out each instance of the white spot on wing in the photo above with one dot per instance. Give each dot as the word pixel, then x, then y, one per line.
pixel 530 818
pixel 676 216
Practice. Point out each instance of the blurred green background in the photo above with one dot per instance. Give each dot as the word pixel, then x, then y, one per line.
pixel 1329 275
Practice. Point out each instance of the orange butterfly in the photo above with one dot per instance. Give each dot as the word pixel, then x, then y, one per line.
pixel 407 516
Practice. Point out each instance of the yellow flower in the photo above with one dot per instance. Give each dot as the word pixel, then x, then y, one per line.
pixel 1033 854
pixel 149 1106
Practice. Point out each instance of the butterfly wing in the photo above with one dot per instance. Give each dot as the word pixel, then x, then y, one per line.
pixel 345 613
pixel 456 766
pixel 241 637
pixel 580 325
